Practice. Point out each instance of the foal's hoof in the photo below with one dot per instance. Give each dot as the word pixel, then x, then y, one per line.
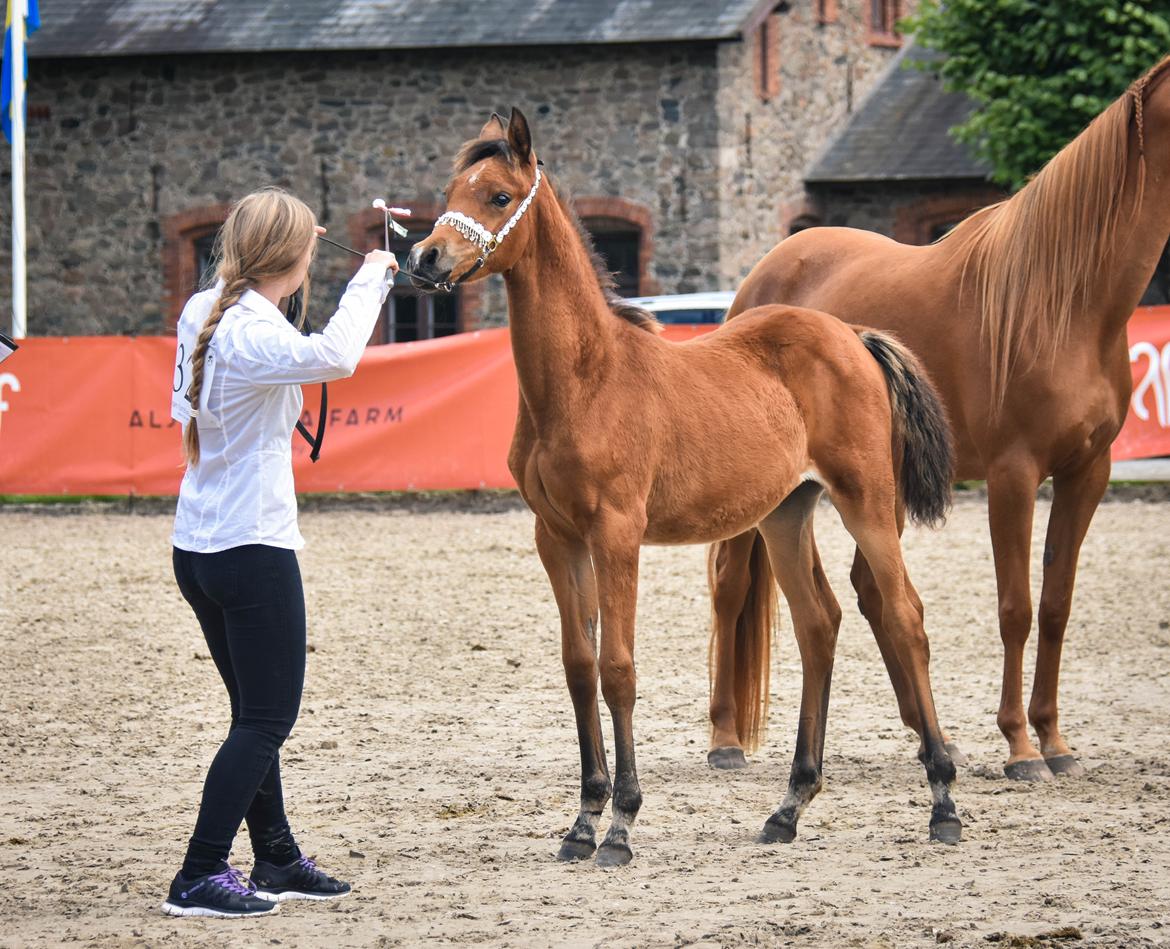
pixel 777 832
pixel 728 758
pixel 1032 769
pixel 573 850
pixel 1066 765
pixel 949 830
pixel 958 759
pixel 614 855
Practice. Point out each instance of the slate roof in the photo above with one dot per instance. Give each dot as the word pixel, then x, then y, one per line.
pixel 140 27
pixel 900 131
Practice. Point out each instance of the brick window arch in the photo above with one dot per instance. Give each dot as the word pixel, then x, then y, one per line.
pixel 187 238
pixel 408 314
pixel 928 219
pixel 623 232
pixel 882 21
pixel 766 57
pixel 799 213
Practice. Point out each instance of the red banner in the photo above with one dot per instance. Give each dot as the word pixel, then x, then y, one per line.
pixel 1146 433
pixel 91 415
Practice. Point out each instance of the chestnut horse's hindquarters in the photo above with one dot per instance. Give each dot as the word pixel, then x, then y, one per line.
pixel 922 433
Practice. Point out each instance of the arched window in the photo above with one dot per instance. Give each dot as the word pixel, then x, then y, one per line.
pixel 622 232
pixel 803 222
pixel 188 238
pixel 408 314
pixel 883 22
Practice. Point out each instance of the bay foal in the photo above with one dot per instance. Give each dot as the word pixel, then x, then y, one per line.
pixel 625 439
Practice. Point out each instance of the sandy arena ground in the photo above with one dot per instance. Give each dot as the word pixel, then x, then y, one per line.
pixel 435 761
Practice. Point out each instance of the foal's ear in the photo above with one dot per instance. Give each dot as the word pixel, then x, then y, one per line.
pixel 519 137
pixel 494 128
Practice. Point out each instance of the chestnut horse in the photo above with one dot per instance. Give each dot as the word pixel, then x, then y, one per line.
pixel 1019 314
pixel 610 453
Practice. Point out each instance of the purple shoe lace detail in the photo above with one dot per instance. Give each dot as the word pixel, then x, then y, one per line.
pixel 307 863
pixel 231 880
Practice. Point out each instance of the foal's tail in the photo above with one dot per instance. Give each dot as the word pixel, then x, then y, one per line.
pixel 920 421
pixel 753 640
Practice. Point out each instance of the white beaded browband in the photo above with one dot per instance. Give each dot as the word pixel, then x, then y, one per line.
pixel 479 235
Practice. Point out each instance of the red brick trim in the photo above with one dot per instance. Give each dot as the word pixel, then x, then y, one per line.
pixel 180 231
pixel 803 209
pixel 914 222
pixel 765 47
pixel 827 11
pixel 366 232
pixel 883 34
pixel 623 209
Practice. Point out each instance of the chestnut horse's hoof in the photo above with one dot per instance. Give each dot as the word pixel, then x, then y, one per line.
pixel 728 758
pixel 1032 769
pixel 614 855
pixel 573 850
pixel 777 832
pixel 957 757
pixel 948 830
pixel 1066 765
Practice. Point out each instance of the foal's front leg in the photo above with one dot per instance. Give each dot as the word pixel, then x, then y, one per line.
pixel 566 560
pixel 615 547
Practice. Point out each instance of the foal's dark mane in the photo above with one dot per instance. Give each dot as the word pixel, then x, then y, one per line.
pixel 477 150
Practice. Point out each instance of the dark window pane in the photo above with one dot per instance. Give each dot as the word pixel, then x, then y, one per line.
pixel 1158 292
pixel 619 250
pixel 941 230
pixel 204 264
pixel 410 315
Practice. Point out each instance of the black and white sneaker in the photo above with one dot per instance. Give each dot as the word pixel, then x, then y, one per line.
pixel 300 880
pixel 227 893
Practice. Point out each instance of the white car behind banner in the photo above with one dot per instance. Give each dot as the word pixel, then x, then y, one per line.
pixel 687 307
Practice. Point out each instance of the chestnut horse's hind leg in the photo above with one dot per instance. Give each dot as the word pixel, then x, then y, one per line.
pixel 1075 497
pixel 575 587
pixel 816 617
pixel 868 515
pixel 615 547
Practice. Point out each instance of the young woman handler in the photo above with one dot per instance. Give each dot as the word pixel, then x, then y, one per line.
pixel 237 392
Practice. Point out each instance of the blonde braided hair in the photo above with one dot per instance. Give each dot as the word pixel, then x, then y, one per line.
pixel 265 236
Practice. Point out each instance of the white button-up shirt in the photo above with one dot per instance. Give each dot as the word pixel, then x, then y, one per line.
pixel 241 491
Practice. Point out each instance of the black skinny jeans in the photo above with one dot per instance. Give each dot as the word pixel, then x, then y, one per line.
pixel 251 605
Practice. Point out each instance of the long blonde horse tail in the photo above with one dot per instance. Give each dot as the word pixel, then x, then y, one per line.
pixel 753 640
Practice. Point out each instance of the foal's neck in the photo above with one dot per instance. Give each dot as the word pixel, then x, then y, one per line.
pixel 563 332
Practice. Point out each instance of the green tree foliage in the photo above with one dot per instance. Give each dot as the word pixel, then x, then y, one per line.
pixel 1039 69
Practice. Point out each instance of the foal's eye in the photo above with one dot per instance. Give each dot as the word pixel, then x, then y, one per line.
pixel 501 200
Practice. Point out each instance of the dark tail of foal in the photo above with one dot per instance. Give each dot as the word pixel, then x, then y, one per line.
pixel 924 481
pixel 928 453
pixel 753 642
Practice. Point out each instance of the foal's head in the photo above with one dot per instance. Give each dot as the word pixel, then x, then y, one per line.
pixel 494 174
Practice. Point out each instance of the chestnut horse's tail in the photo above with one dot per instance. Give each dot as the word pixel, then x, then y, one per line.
pixel 928 453
pixel 753 640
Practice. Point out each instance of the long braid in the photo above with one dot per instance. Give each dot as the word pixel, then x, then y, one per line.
pixel 232 291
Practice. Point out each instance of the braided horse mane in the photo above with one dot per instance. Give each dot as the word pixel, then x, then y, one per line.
pixel 1035 256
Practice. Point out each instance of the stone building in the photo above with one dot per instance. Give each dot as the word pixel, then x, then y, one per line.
pixel 683 129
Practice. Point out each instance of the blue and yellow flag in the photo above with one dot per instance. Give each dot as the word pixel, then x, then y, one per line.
pixel 32 23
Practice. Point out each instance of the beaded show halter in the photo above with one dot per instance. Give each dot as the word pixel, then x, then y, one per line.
pixel 480 236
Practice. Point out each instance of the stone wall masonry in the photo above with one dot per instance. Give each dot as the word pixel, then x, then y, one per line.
pixel 765 147
pixel 119 149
